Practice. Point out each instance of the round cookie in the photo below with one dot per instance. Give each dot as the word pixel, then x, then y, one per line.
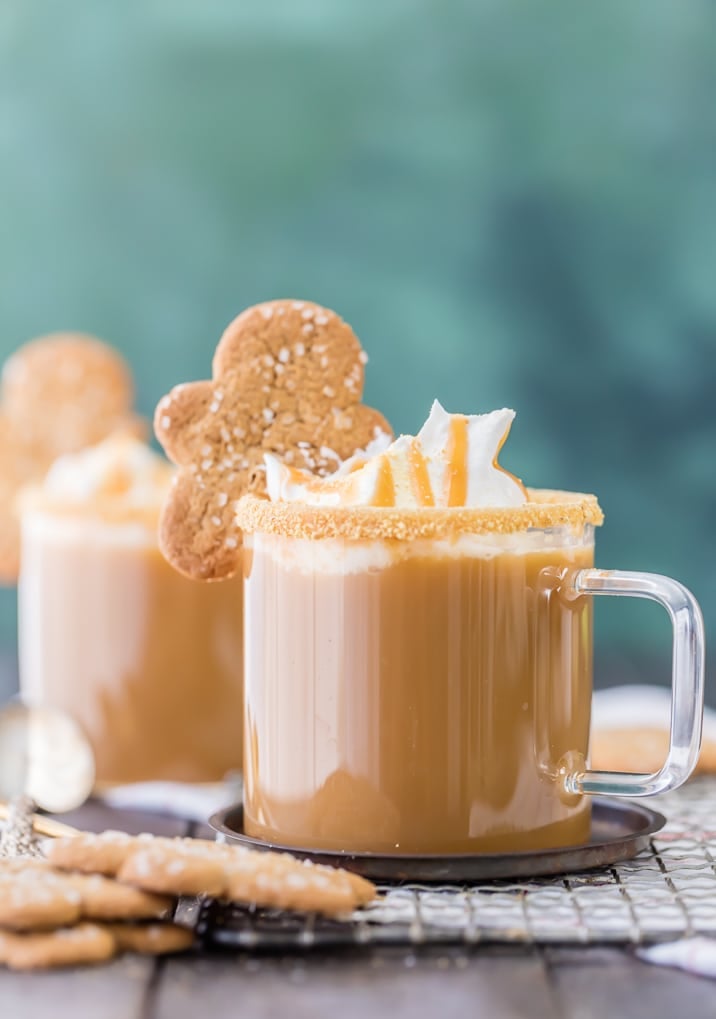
pixel 280 881
pixel 175 867
pixel 151 938
pixel 186 866
pixel 101 898
pixel 90 853
pixel 276 880
pixel 67 946
pixel 33 896
pixel 287 379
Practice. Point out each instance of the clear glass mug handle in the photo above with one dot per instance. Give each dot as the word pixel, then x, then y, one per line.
pixel 687 681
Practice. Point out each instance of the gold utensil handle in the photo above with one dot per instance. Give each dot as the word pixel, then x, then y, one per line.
pixel 44 825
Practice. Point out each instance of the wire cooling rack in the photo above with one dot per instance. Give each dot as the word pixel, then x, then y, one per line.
pixel 668 891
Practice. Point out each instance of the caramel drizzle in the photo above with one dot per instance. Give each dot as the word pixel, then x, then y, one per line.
pixel 384 485
pixel 457 473
pixel 419 476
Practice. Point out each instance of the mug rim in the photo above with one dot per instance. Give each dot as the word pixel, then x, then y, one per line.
pixel 545 509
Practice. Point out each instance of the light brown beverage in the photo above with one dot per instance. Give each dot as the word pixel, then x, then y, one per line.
pixel 412 696
pixel 147 661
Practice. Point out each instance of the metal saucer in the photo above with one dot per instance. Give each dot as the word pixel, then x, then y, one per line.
pixel 620 830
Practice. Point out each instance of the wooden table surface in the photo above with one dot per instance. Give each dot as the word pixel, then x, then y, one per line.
pixel 489 981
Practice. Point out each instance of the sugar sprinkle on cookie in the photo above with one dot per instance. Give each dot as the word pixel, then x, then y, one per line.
pixel 102 898
pixel 33 896
pixel 91 853
pixel 184 866
pixel 66 391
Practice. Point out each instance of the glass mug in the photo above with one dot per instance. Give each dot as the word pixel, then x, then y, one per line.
pixel 148 662
pixel 420 681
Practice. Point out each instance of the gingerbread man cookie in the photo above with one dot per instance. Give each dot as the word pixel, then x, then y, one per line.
pixel 58 394
pixel 287 379
pixel 67 391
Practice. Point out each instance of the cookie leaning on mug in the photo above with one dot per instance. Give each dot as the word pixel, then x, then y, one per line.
pixel 58 394
pixel 287 379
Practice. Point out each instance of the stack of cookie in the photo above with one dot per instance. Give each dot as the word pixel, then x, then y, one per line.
pixel 94 896
pixel 53 918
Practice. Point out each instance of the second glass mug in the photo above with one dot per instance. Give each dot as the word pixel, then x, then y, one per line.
pixel 144 660
pixel 420 681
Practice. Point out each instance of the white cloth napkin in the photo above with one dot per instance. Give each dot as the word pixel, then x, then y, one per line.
pixel 622 707
pixel 177 799
pixel 695 955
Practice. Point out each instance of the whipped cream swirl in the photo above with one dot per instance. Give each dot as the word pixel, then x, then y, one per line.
pixel 120 468
pixel 451 462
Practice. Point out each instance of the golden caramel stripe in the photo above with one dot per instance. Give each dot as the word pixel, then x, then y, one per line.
pixel 457 462
pixel 419 475
pixel 385 486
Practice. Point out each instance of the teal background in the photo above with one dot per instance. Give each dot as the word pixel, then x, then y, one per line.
pixel 512 202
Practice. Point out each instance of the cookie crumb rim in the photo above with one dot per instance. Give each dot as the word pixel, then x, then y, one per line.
pixel 545 509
